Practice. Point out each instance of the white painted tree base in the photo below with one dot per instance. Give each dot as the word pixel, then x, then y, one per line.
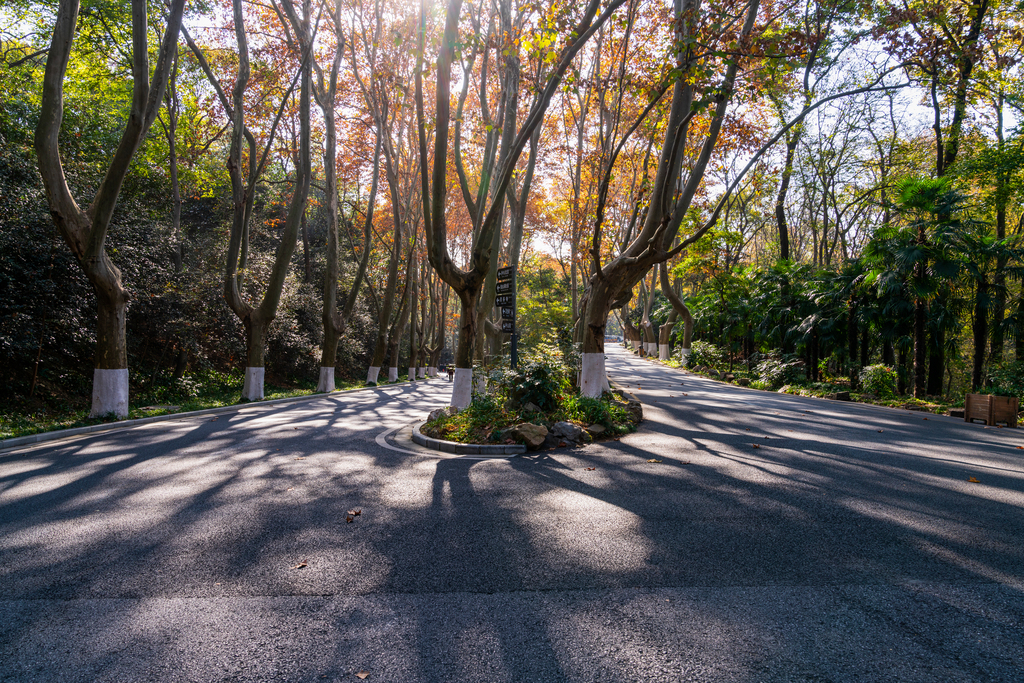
pixel 684 356
pixel 326 383
pixel 412 374
pixel 663 351
pixel 652 348
pixel 109 392
pixel 371 375
pixel 462 388
pixel 423 372
pixel 431 371
pixel 252 390
pixel 593 378
pixel 392 374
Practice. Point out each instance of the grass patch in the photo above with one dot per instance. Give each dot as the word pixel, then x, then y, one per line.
pixel 193 392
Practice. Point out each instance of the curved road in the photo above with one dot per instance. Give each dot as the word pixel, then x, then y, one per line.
pixel 217 548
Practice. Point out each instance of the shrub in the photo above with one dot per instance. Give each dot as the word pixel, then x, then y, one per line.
pixel 775 372
pixel 541 379
pixel 879 380
pixel 705 353
pixel 1007 380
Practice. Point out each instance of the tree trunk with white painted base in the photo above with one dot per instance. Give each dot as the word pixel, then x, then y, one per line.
pixel 85 232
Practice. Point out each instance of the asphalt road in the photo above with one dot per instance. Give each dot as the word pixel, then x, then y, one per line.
pixel 832 551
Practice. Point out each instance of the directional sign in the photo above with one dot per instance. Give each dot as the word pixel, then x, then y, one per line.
pixel 505 300
pixel 504 287
pixel 508 273
pixel 508 313
pixel 508 326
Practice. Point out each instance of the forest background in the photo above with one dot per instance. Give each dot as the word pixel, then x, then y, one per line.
pixel 811 188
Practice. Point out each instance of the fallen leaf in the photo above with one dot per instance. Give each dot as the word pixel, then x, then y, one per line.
pixel 748 429
pixel 300 565
pixel 924 418
pixel 879 431
pixel 1019 448
pixel 653 460
pixel 355 513
pixel 685 394
pixel 297 458
pixel 755 445
pixel 362 674
pixel 973 480
pixel 294 427
pixel 590 469
pixel 290 488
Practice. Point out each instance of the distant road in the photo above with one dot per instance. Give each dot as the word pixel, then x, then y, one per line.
pixel 215 550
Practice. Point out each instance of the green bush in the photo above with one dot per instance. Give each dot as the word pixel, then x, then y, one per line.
pixel 542 379
pixel 705 353
pixel 1007 380
pixel 774 372
pixel 879 380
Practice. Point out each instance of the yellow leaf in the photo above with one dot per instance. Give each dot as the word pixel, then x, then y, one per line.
pixel 973 480
pixel 653 460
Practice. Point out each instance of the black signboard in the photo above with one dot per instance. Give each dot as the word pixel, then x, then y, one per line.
pixel 508 313
pixel 504 287
pixel 508 326
pixel 506 273
pixel 505 300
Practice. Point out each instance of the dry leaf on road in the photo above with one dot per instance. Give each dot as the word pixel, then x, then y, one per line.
pixel 350 519
pixel 300 565
pixel 355 513
pixel 653 460
pixel 755 445
pixel 362 674
pixel 973 480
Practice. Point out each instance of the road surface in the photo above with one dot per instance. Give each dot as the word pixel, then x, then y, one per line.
pixel 849 545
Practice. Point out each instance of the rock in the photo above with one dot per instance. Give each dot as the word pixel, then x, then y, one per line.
pixel 439 412
pixel 714 373
pixel 530 434
pixel 729 377
pixel 635 411
pixel 567 431
pixel 743 382
pixel 840 396
pixel 596 429
pixel 531 407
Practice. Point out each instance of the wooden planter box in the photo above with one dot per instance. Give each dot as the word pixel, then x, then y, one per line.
pixel 992 410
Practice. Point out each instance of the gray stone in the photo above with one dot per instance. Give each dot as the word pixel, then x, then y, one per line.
pixel 439 412
pixel 635 411
pixel 566 430
pixel 729 377
pixel 743 382
pixel 531 407
pixel 596 429
pixel 530 434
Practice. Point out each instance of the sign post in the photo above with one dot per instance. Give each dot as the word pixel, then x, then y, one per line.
pixel 505 290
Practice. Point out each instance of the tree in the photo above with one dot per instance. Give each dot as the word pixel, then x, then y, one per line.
pixel 85 231
pixel 468 284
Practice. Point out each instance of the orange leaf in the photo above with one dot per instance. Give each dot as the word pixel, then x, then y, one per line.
pixel 350 519
pixel 653 460
pixel 755 445
pixel 300 565
pixel 973 480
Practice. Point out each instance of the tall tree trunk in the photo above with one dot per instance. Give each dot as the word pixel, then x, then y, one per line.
pixel 85 231
pixel 981 305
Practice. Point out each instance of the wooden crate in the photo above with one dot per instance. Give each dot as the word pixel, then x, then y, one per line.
pixel 1004 410
pixel 992 410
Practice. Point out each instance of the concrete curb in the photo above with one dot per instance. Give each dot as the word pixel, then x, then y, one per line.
pixel 456 448
pixel 41 437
